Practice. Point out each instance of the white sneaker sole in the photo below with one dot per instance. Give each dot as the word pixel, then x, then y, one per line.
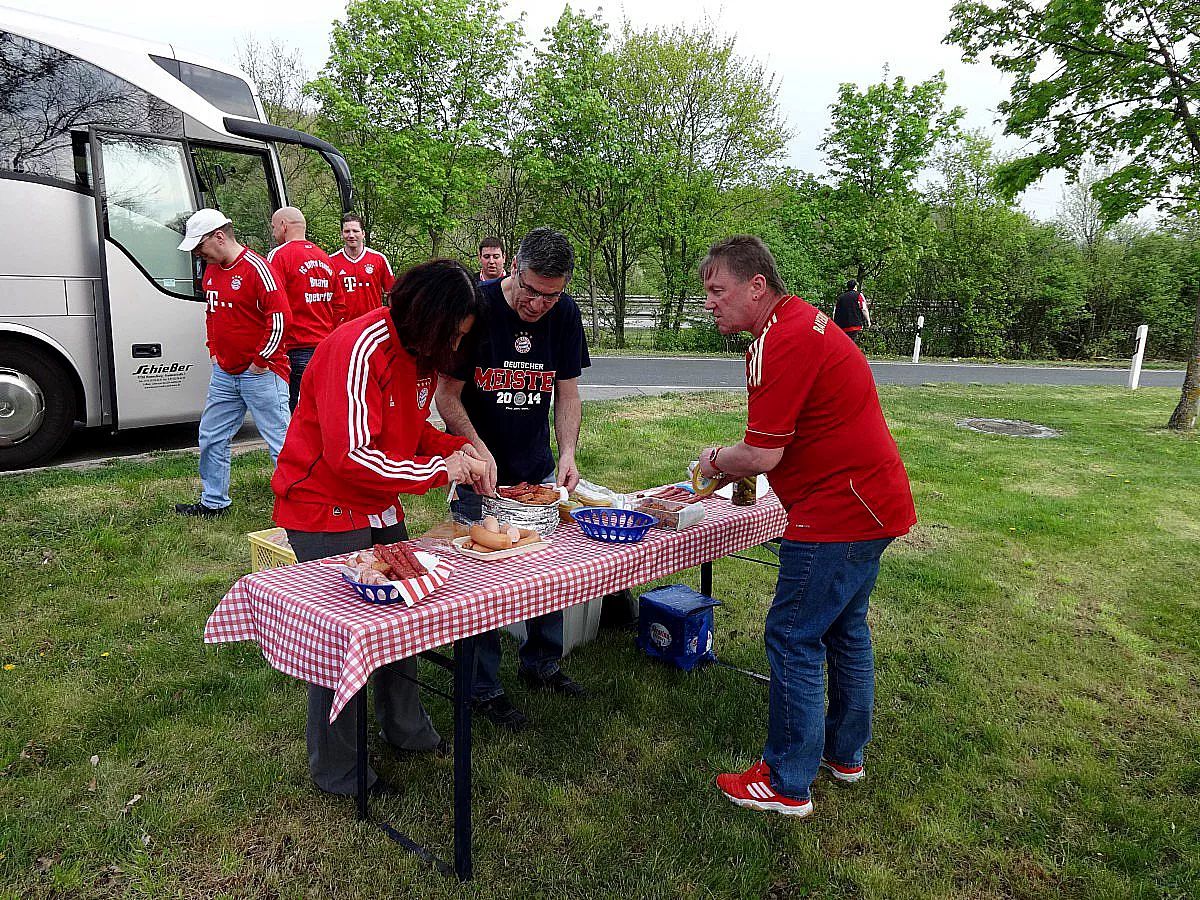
pixel 842 776
pixel 798 812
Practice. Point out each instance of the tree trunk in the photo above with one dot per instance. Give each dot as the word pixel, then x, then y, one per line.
pixel 592 292
pixel 1184 417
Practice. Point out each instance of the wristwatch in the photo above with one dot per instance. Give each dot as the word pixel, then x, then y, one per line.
pixel 712 463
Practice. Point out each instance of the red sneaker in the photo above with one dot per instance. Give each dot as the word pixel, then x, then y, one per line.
pixel 843 773
pixel 752 789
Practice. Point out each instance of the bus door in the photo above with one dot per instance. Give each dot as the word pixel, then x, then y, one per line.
pixel 155 368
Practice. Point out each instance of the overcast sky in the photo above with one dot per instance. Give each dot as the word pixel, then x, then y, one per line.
pixel 810 48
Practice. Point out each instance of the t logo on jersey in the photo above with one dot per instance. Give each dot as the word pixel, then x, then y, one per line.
pixel 348 282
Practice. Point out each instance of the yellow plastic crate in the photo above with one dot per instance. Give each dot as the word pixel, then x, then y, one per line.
pixel 269 548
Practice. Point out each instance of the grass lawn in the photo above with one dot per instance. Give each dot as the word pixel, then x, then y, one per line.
pixel 1038 646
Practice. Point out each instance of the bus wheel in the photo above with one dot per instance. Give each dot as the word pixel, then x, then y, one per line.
pixel 37 406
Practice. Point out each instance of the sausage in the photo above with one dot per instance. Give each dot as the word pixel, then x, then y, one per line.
pixel 397 562
pixel 483 538
pixel 414 563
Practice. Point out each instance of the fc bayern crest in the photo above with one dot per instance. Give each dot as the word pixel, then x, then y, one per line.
pixel 236 282
pixel 422 396
pixel 369 269
pixel 523 343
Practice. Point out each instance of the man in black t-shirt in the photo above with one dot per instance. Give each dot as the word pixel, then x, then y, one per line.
pixel 534 350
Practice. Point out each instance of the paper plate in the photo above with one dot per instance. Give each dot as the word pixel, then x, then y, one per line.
pixel 494 555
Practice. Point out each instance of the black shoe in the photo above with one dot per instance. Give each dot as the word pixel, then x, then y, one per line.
pixel 199 509
pixel 383 788
pixel 557 683
pixel 499 711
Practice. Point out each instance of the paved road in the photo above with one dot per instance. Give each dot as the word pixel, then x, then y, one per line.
pixel 613 377
pixel 632 374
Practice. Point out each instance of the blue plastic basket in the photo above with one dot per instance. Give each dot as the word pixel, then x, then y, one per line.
pixel 374 593
pixel 617 526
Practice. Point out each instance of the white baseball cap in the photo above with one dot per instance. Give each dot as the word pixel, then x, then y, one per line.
pixel 200 223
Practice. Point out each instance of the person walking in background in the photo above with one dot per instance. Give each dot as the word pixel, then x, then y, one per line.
pixel 852 313
pixel 491 259
pixel 246 324
pixel 314 295
pixel 366 275
pixel 814 426
pixel 360 439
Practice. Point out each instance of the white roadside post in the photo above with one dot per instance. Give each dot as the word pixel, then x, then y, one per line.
pixel 1135 370
pixel 917 342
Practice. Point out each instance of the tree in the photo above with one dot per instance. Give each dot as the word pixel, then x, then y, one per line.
pixel 583 154
pixel 415 87
pixel 1119 79
pixel 279 76
pixel 709 122
pixel 878 142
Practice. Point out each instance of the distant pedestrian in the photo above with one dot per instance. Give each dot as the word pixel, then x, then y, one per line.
pixel 246 323
pixel 852 313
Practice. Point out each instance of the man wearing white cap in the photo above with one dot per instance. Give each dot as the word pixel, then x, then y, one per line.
pixel 247 316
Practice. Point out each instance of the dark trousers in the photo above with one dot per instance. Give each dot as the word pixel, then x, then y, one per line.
pixel 402 718
pixel 299 358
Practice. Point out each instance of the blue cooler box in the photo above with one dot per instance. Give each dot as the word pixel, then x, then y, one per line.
pixel 675 624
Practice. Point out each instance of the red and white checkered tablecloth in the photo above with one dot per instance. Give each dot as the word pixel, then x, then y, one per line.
pixel 310 623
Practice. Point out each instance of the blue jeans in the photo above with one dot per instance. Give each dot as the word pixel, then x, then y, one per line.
pixel 229 396
pixel 299 358
pixel 542 648
pixel 819 616
pixel 539 653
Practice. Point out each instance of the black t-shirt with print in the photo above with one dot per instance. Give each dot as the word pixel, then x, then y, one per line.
pixel 509 384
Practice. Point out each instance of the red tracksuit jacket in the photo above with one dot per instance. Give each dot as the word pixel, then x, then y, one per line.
pixel 361 435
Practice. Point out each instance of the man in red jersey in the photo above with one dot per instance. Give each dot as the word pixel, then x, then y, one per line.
pixel 313 291
pixel 365 274
pixel 246 323
pixel 814 426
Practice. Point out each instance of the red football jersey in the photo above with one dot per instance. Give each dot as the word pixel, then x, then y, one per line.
pixel 365 280
pixel 811 392
pixel 313 291
pixel 247 315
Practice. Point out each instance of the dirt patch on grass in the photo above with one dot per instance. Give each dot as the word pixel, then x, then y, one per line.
pixel 1178 524
pixel 1046 487
pixel 924 538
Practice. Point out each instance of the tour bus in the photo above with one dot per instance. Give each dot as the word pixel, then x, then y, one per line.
pixel 107 145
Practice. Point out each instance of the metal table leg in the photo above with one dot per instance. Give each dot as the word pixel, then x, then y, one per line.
pixel 706 579
pixel 464 665
pixel 360 746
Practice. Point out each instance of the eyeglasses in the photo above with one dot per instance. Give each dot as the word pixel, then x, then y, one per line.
pixel 200 243
pixel 537 295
